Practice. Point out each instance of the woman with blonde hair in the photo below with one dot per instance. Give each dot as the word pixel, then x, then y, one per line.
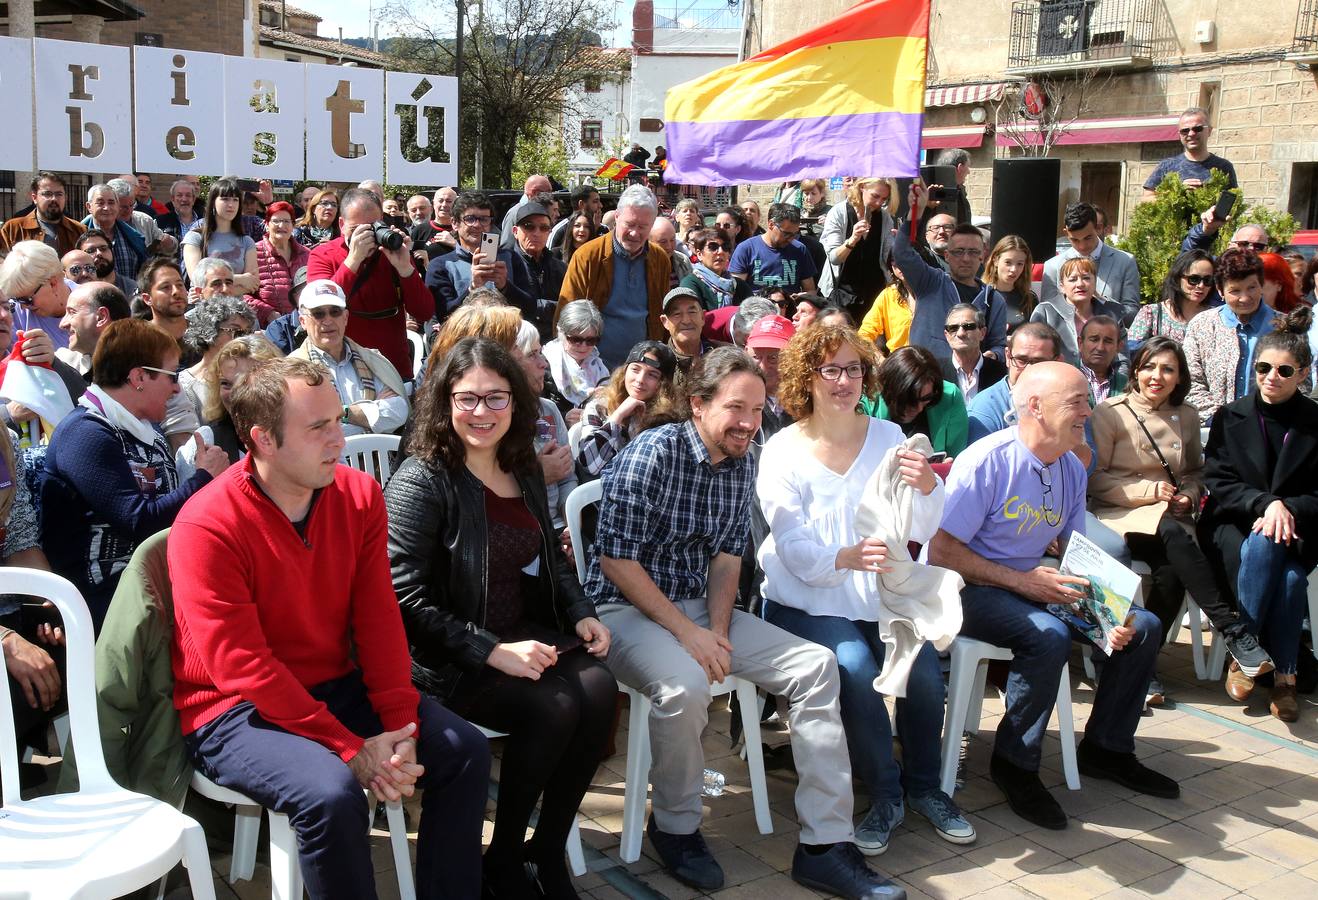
pixel 1076 306
pixel 1008 274
pixel 814 198
pixel 498 323
pixel 857 245
pixel 234 360
pixel 320 220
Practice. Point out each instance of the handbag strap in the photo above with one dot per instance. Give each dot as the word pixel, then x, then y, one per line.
pixel 1166 467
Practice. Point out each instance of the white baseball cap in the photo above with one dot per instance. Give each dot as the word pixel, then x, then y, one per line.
pixel 322 293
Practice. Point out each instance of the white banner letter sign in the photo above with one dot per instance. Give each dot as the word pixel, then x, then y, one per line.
pixel 84 113
pixel 264 117
pixel 422 130
pixel 16 104
pixel 345 123
pixel 178 95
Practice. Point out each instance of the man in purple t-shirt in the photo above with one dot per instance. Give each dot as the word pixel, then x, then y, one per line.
pixel 1010 497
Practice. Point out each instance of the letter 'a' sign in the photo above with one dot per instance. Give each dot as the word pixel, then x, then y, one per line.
pixel 192 112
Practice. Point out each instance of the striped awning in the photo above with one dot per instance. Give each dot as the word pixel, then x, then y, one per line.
pixel 959 136
pixel 1131 130
pixel 963 94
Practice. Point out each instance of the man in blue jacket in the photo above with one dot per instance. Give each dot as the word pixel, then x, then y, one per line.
pixel 451 275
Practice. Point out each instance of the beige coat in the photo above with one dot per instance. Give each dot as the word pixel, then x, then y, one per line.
pixel 1127 473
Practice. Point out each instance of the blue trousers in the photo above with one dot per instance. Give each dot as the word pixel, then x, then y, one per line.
pixel 859 651
pixel 1040 644
pixel 326 806
pixel 1273 592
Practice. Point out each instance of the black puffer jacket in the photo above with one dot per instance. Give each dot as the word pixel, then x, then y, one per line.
pixel 437 553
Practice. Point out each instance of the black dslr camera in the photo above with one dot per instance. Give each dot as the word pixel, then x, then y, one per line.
pixel 386 237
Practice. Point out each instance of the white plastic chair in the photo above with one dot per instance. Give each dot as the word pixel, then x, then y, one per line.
pixel 100 841
pixel 285 873
pixel 370 454
pixel 965 698
pixel 576 857
pixel 418 345
pixel 638 728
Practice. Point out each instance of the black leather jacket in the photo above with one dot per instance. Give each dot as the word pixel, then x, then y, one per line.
pixel 437 554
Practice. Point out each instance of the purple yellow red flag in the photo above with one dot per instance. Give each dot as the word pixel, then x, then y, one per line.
pixel 846 98
pixel 613 169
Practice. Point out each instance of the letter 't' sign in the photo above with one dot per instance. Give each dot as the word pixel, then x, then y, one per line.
pixel 345 125
pixel 84 120
pixel 179 98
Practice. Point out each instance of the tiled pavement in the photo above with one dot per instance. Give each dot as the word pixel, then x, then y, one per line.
pixel 1246 823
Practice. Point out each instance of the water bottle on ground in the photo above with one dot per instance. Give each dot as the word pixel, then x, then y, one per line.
pixel 713 784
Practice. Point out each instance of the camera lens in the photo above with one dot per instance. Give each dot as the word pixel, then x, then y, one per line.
pixel 386 237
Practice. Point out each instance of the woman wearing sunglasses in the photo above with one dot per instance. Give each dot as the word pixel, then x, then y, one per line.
pixel 1187 291
pixel 1261 472
pixel 709 275
pixel 640 395
pixel 913 394
pixel 575 367
pixel 499 629
pixel 110 478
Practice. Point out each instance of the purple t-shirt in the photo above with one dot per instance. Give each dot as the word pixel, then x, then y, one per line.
pixel 999 503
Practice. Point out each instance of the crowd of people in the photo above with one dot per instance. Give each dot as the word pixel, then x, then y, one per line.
pixel 778 487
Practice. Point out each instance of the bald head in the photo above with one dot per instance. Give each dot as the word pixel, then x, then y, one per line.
pixel 1051 400
pixel 1250 234
pixel 664 234
pixel 537 184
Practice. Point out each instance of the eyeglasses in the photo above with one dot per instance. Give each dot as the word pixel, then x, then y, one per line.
pixel 963 251
pixel 96 248
pixel 79 271
pixel 583 340
pixel 715 246
pixel 854 371
pixel 233 331
pixel 1284 371
pixel 535 228
pixel 332 204
pixel 963 327
pixel 173 376
pixel 51 195
pixel 1256 246
pixel 1022 362
pixel 790 234
pixel 1046 480
pixel 1193 129
pixel 320 312
pixel 477 220
pixel 940 228
pixel 494 401
pixel 1197 280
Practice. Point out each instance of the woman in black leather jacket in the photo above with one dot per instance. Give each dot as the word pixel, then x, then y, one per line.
pixel 497 625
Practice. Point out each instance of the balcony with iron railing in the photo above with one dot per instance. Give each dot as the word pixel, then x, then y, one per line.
pixel 1304 49
pixel 1076 35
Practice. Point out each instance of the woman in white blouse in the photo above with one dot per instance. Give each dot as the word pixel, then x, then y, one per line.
pixel 819 574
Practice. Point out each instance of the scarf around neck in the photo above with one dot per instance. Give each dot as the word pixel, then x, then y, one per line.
pixel 723 288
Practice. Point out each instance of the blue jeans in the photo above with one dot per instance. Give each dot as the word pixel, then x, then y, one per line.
pixel 1041 644
pixel 859 652
pixel 326 807
pixel 1273 591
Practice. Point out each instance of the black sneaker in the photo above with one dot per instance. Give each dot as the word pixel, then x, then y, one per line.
pixel 1125 770
pixel 841 870
pixel 1026 795
pixel 1245 650
pixel 687 858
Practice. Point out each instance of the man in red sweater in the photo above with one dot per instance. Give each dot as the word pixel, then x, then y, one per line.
pixel 291 670
pixel 383 286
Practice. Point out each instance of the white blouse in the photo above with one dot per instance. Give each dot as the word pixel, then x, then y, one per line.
pixel 811 511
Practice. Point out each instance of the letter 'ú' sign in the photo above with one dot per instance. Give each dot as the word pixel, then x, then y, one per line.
pixel 192 112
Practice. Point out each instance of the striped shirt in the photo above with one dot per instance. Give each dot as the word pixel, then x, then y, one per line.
pixel 666 507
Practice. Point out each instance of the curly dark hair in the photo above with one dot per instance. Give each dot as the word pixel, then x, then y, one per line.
pixel 1236 264
pixel 434 439
pixel 811 347
pixel 1160 343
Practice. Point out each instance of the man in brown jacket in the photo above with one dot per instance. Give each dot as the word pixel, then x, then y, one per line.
pixel 46 222
pixel 625 275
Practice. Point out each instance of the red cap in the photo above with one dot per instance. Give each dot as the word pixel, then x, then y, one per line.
pixel 771 333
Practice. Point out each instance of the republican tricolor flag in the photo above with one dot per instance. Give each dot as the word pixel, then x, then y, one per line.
pixel 846 98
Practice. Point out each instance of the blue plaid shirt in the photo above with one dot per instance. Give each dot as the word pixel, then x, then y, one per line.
pixel 667 508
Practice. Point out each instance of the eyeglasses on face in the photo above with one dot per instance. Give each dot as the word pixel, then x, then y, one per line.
pixel 714 246
pixel 95 249
pixel 1256 246
pixel 854 371
pixel 171 375
pixel 79 271
pixel 494 401
pixel 1192 129
pixel 320 312
pixel 1285 371
pixel 477 220
pixel 940 228
pixel 587 340
pixel 332 204
pixel 959 252
pixel 235 331
pixel 51 195
pixel 1197 280
pixel 1022 362
pixel 543 228
pixel 963 327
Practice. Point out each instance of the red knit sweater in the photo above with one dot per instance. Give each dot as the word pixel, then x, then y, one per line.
pixel 262 614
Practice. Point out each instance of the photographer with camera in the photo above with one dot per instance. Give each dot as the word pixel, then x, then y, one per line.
pixel 372 262
pixel 478 260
